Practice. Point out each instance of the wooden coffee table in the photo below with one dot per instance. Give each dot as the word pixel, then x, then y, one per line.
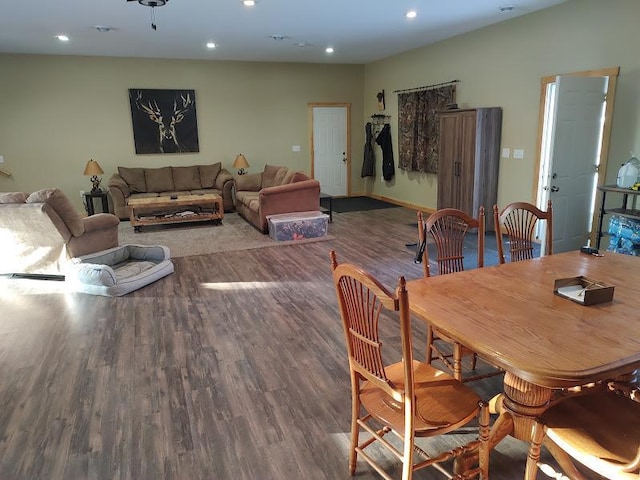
pixel 205 207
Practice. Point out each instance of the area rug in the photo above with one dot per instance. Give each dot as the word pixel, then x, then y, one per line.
pixel 185 240
pixel 356 204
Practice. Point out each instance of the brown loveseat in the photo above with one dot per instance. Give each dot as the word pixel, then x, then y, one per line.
pixel 154 182
pixel 41 232
pixel 275 190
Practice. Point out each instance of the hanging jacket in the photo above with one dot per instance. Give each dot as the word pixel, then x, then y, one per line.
pixel 384 140
pixel 369 162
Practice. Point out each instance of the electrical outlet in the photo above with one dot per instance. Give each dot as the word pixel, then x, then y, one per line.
pixel 1 159
pixel 506 152
pixel 295 148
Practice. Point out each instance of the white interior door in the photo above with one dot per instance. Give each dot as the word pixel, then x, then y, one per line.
pixel 330 158
pixel 575 133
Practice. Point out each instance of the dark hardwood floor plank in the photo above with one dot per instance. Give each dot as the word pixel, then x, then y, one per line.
pixel 234 367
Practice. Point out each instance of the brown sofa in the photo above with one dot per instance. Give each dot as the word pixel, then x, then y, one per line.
pixel 154 182
pixel 275 190
pixel 41 232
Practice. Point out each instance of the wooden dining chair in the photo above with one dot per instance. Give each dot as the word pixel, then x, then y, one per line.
pixel 519 221
pixel 601 430
pixel 448 227
pixel 407 398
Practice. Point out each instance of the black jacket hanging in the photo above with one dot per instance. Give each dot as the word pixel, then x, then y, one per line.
pixel 384 140
pixel 369 162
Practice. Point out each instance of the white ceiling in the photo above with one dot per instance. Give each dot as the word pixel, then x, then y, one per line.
pixel 361 31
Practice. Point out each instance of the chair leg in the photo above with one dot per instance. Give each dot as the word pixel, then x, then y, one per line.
pixel 355 429
pixel 457 361
pixel 474 361
pixel 429 352
pixel 483 434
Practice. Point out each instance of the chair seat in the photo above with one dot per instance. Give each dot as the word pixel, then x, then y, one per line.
pixel 600 430
pixel 448 406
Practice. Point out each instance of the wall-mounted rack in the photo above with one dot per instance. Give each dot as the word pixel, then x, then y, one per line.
pixel 378 120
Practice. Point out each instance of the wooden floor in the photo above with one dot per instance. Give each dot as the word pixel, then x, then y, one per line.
pixel 234 367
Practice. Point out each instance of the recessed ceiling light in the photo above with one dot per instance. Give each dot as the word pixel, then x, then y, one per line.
pixel 248 3
pixel 411 14
pixel 62 38
pixel 329 49
pixel 211 45
pixel 506 8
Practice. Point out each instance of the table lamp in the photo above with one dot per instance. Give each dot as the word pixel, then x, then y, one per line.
pixel 94 170
pixel 240 163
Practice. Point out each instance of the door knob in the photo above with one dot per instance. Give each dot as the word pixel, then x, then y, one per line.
pixel 554 188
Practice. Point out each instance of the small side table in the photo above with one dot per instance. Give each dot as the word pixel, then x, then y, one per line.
pixel 330 209
pixel 88 201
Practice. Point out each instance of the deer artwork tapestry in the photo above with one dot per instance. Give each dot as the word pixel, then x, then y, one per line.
pixel 164 121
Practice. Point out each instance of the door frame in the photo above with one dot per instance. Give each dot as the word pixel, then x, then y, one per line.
pixel 612 73
pixel 346 105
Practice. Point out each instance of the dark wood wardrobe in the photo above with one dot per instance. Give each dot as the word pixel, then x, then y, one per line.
pixel 469 160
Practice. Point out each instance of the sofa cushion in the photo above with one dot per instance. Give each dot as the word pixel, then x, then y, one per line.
pixel 208 174
pixel 61 204
pixel 13 197
pixel 134 178
pixel 158 179
pixel 273 175
pixel 186 178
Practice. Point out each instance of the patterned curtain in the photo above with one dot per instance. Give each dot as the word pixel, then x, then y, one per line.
pixel 418 127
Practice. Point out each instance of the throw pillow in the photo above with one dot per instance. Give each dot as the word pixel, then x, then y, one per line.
pixel 158 179
pixel 186 178
pixel 270 174
pixel 13 197
pixel 299 177
pixel 62 206
pixel 134 178
pixel 208 174
pixel 288 177
pixel 280 176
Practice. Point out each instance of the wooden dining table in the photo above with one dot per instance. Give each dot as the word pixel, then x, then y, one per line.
pixel 546 344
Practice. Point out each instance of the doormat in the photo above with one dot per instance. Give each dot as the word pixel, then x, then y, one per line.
pixel 356 204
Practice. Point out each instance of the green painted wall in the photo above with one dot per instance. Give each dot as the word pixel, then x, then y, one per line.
pixel 501 66
pixel 58 112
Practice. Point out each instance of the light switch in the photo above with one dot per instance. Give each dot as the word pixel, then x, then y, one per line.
pixel 518 153
pixel 506 152
pixel 295 148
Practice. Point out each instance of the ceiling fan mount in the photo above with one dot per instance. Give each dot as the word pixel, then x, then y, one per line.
pixel 153 4
pixel 150 3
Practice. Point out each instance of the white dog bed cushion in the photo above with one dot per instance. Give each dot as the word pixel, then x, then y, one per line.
pixel 120 270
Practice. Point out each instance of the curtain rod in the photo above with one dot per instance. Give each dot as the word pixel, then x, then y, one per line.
pixel 426 87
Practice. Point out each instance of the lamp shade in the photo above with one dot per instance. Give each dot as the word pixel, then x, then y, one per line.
pixel 93 168
pixel 240 162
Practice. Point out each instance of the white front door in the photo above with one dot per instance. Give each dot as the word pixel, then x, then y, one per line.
pixel 574 146
pixel 330 156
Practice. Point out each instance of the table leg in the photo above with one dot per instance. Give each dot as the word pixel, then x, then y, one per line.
pixel 105 203
pixel 88 200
